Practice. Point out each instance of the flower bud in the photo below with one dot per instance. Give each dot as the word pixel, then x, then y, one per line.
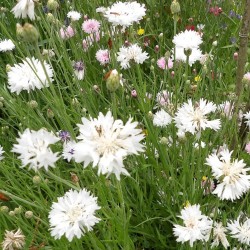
pixel 50 113
pixel 18 210
pixel 175 7
pixel 112 80
pixel 4 209
pixel 33 104
pixel 52 4
pixel 28 214
pixel 27 33
pixel 36 179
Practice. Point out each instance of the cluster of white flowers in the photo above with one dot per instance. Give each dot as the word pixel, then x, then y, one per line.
pixel 131 53
pixel 187 46
pixel 197 226
pixel 24 9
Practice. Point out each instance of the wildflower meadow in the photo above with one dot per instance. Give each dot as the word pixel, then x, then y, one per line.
pixel 124 125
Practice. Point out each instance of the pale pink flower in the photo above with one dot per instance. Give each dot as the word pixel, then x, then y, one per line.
pixel 162 64
pixel 246 77
pixel 66 33
pixel 247 148
pixel 102 56
pixel 91 26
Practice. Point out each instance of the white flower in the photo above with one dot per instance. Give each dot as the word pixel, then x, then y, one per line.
pixel 29 75
pixel 13 240
pixel 24 9
pixel 79 69
pixel 68 150
pixel 6 45
pixel 240 230
pixel 195 55
pixel 196 225
pixel 161 118
pixel 33 147
pixel 194 119
pixel 247 117
pixel 219 235
pixel 1 153
pixel 106 142
pixel 133 52
pixel 73 214
pixel 232 177
pixel 74 15
pixel 188 39
pixel 125 14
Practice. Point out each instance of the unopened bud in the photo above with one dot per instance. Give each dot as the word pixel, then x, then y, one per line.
pixel 4 209
pixel 52 4
pixel 36 179
pixel 33 104
pixel 235 56
pixel 28 214
pixel 18 210
pixel 113 80
pixel 27 33
pixel 175 7
pixel 50 113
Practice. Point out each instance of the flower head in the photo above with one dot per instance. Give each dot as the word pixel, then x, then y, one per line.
pixel 162 64
pixel 125 13
pixel 29 75
pixel 107 142
pixel 91 26
pixel 131 53
pixel 196 225
pixel 6 45
pixel 194 119
pixel 24 9
pixel 219 235
pixel 74 15
pixel 73 214
pixel 102 56
pixel 67 32
pixel 233 180
pixel 188 39
pixel 79 69
pixel 13 240
pixel 240 230
pixel 161 118
pixel 34 151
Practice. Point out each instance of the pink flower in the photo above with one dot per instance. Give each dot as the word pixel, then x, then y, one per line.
pixel 91 26
pixel 102 56
pixel 67 32
pixel 133 93
pixel 162 63
pixel 246 77
pixel 247 148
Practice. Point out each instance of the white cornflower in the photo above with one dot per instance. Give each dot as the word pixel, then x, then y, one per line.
pixel 79 69
pixel 6 45
pixel 68 150
pixel 33 147
pixel 181 55
pixel 196 225
pixel 73 214
pixel 131 53
pixel 1 153
pixel 194 119
pixel 219 235
pixel 74 15
pixel 24 9
pixel 107 142
pixel 240 230
pixel 233 180
pixel 161 118
pixel 125 14
pixel 247 117
pixel 29 75
pixel 13 240
pixel 188 39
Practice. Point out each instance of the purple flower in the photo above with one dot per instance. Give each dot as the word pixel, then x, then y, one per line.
pixel 64 135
